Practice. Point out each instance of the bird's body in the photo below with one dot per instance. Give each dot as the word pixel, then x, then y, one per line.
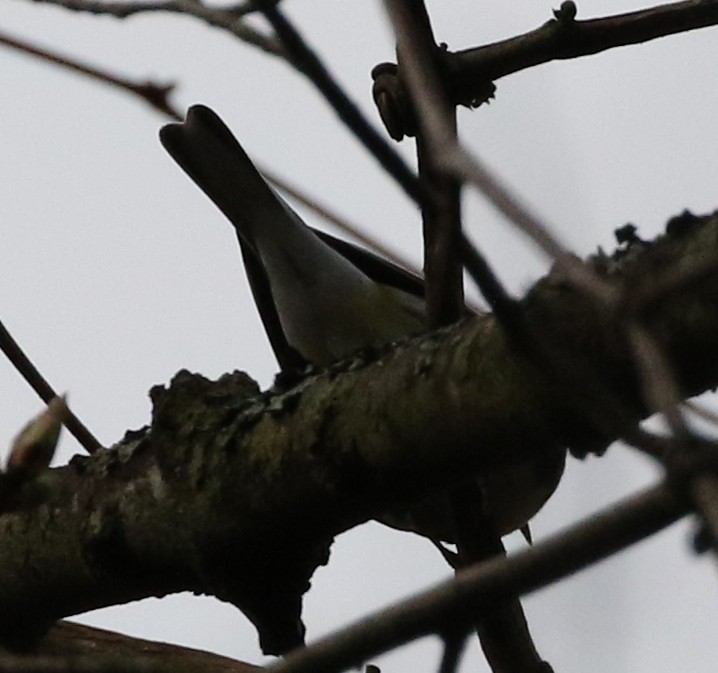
pixel 327 306
pixel 321 299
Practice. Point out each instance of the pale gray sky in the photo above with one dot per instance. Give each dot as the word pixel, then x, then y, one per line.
pixel 117 271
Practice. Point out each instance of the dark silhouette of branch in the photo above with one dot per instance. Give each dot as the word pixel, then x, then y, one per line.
pixel 691 463
pixel 454 644
pixel 156 95
pixel 442 214
pixel 228 19
pixel 37 382
pixel 310 65
pixel 68 639
pixel 566 38
pixel 504 635
pixel 339 222
pixel 470 73
pixel 453 159
pixel 456 603
pixel 219 457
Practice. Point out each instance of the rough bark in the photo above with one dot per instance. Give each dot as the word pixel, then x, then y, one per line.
pixel 238 494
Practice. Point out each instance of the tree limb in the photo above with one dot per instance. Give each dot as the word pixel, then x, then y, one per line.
pixel 69 640
pixel 238 494
pixel 469 73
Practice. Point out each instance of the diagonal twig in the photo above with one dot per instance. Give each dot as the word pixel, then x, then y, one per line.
pixel 224 18
pixel 659 383
pixel 458 601
pixel 29 372
pixel 340 223
pixel 310 64
pixel 156 95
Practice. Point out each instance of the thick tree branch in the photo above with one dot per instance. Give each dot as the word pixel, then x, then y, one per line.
pixel 68 640
pixel 238 494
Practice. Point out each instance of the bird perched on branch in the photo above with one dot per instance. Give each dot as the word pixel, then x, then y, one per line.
pixel 321 298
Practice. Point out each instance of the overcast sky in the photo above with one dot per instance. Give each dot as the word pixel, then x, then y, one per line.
pixel 117 271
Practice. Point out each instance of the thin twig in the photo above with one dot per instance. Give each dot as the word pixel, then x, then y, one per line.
pixel 154 94
pixel 659 383
pixel 222 18
pixel 469 168
pixel 437 133
pixel 506 309
pixel 704 493
pixel 310 64
pixel 340 223
pixel 454 644
pixel 460 600
pixel 692 466
pixel 455 160
pixel 29 372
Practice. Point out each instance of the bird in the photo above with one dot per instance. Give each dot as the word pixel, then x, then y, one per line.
pixel 321 299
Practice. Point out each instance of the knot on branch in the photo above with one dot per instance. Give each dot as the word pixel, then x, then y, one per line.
pixel 395 106
pixel 392 100
pixel 566 13
pixel 175 405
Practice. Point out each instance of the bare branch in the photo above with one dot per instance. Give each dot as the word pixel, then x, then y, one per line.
pixel 470 73
pixel 565 38
pixel 454 644
pixel 455 603
pixel 225 18
pixel 68 638
pixel 155 95
pixel 310 64
pixel 461 416
pixel 37 382
pixel 692 466
pixel 450 157
pixel 339 222
pixel 659 383
pixel 704 493
pixel 442 215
